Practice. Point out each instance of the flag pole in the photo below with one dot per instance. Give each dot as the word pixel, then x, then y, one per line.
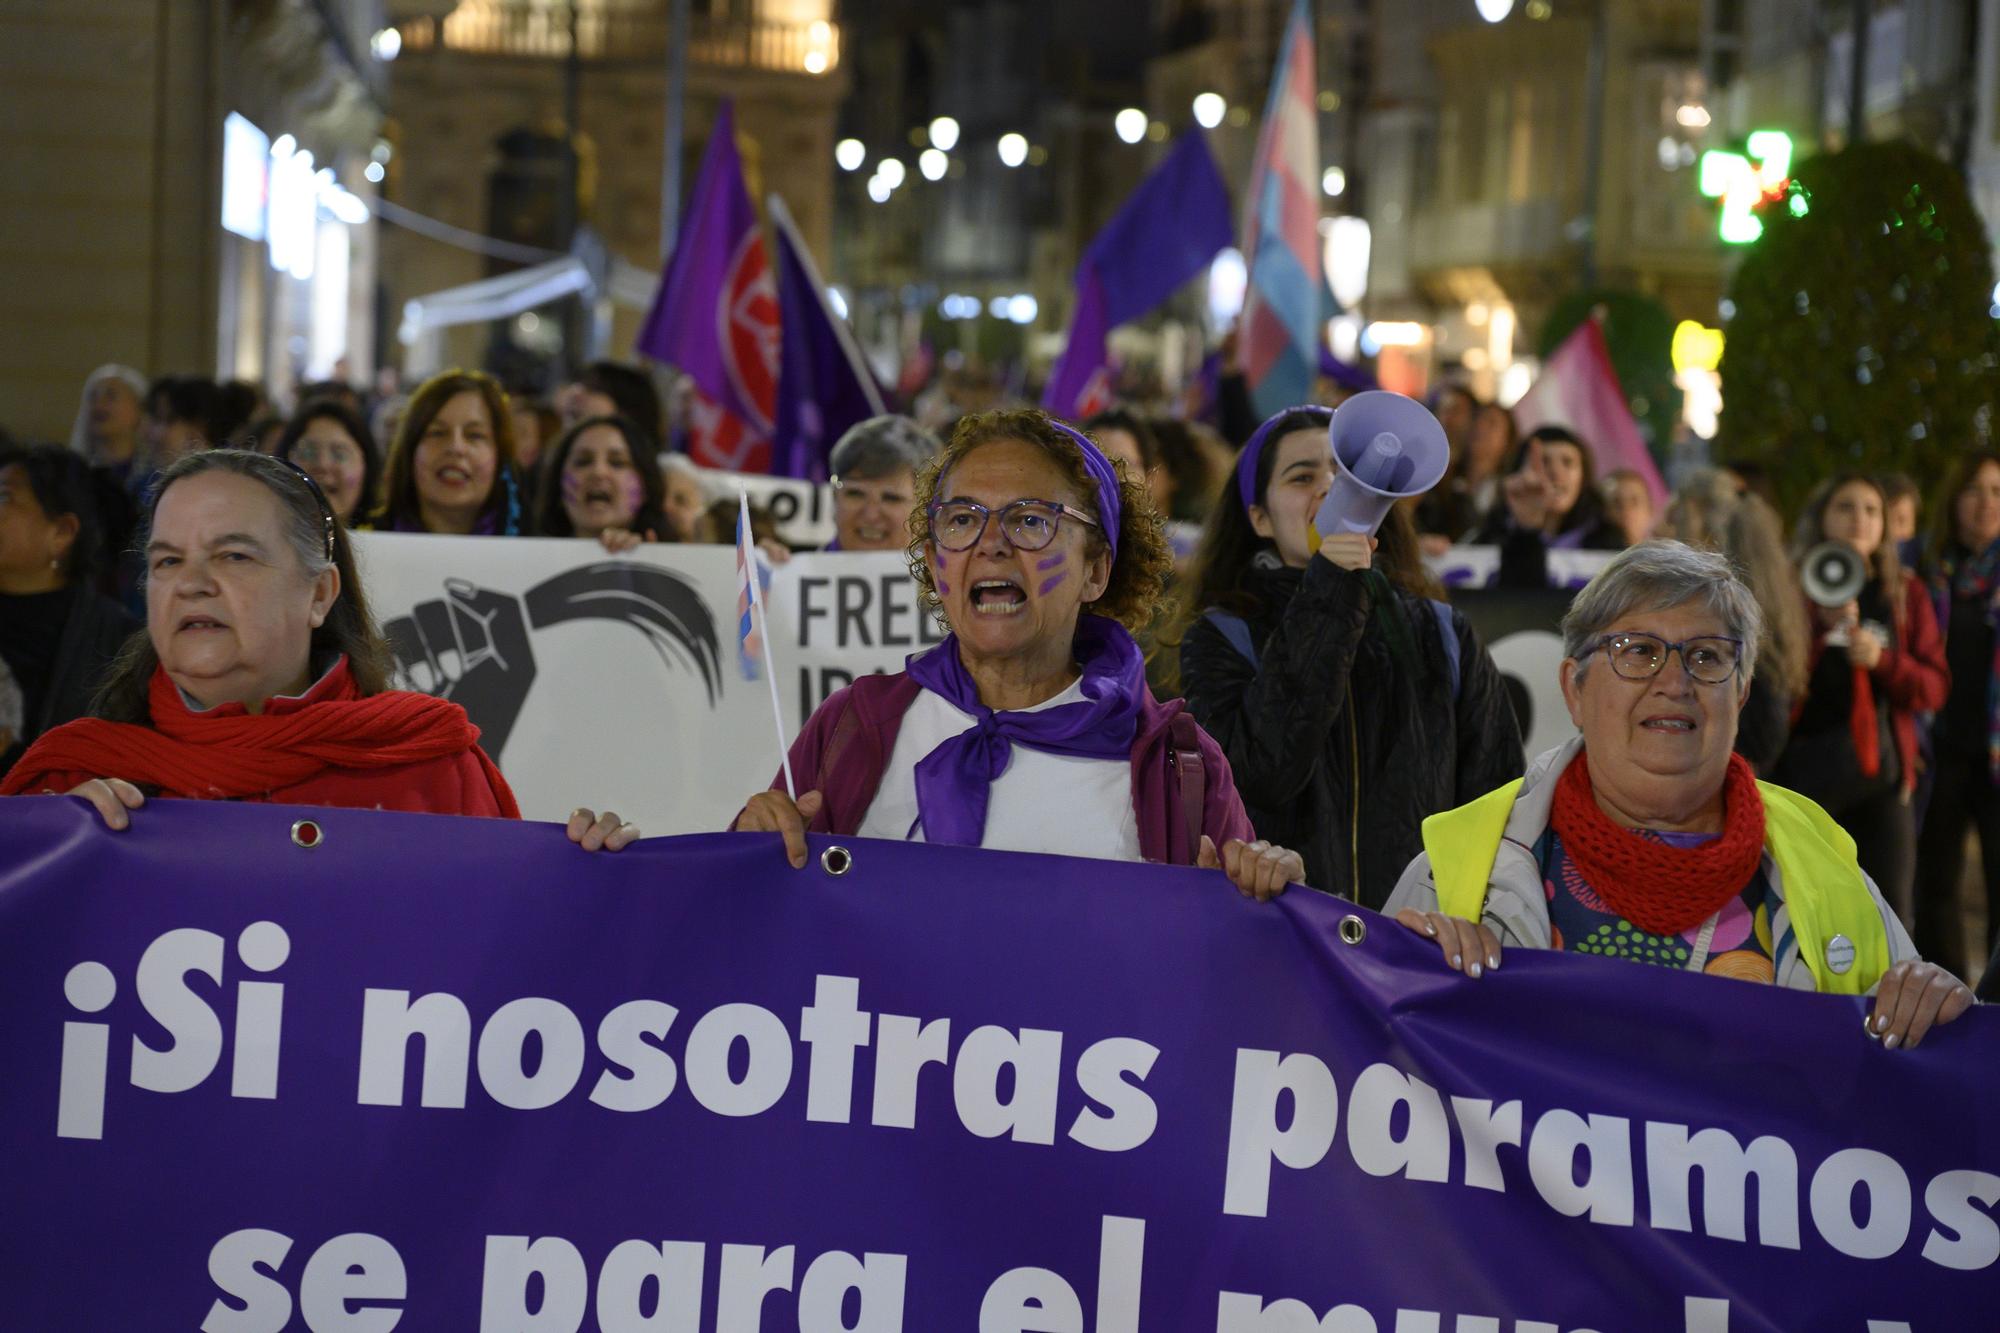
pixel 757 610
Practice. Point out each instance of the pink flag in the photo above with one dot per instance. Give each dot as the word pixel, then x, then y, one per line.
pixel 1578 390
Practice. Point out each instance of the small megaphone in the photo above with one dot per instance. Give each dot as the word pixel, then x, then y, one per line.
pixel 1386 448
pixel 1833 574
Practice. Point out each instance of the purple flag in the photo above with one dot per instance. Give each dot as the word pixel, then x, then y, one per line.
pixel 444 1073
pixel 823 385
pixel 716 314
pixel 1167 232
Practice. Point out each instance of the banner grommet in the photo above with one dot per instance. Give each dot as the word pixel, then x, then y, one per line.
pixel 836 861
pixel 1353 930
pixel 307 834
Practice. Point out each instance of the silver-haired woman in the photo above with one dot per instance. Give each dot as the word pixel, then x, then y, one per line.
pixel 1647 838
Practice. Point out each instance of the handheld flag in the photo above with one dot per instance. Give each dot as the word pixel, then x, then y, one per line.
pixel 1578 389
pixel 1166 233
pixel 1281 308
pixel 753 626
pixel 715 315
pixel 823 384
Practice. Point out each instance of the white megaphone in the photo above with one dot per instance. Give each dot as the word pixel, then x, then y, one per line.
pixel 1833 574
pixel 1386 447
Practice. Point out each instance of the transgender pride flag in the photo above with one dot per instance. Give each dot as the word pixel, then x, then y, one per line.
pixel 750 584
pixel 1279 332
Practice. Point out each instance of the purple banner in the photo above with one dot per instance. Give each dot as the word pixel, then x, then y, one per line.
pixel 433 1073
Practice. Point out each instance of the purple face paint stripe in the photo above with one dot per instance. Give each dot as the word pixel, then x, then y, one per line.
pixel 1052 561
pixel 1048 584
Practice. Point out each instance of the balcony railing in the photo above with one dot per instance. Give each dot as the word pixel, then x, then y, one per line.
pixel 521 28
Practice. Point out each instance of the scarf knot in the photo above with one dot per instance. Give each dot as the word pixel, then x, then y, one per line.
pixel 1660 888
pixel 954 781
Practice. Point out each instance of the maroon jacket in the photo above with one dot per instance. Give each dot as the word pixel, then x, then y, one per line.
pixel 845 745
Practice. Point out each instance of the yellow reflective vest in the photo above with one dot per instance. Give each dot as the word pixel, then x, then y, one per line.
pixel 1819 877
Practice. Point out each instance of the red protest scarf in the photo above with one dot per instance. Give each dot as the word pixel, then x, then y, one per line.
pixel 1862 724
pixel 1661 889
pixel 227 753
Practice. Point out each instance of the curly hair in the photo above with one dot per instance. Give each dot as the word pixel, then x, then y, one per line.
pixel 1138 574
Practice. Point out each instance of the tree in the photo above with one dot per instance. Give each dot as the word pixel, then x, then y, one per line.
pixel 1862 336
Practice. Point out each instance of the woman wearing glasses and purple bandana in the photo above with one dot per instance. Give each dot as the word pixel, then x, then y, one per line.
pixel 1030 728
pixel 1648 838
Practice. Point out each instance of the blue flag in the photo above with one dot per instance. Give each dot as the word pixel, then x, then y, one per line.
pixel 824 387
pixel 1167 232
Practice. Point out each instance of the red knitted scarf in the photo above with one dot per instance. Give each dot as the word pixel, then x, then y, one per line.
pixel 1661 889
pixel 228 753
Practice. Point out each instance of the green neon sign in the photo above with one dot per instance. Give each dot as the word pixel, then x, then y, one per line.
pixel 1742 181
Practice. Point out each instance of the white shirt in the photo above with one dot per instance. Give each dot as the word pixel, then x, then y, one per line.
pixel 1041 802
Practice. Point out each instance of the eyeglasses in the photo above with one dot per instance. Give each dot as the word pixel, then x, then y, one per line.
pixel 1710 660
pixel 957 525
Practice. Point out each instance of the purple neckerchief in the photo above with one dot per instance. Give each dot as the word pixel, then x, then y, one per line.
pixel 1246 463
pixel 1110 510
pixel 955 779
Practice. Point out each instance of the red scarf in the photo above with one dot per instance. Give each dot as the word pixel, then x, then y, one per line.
pixel 1861 725
pixel 227 753
pixel 1661 889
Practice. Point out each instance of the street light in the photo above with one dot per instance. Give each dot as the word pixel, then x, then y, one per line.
pixel 890 172
pixel 850 154
pixel 1130 124
pixel 1334 181
pixel 944 134
pixel 1494 10
pixel 386 44
pixel 933 163
pixel 1013 150
pixel 878 190
pixel 1209 109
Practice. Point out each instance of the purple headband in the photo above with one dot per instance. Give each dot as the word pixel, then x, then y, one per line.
pixel 1246 462
pixel 1109 510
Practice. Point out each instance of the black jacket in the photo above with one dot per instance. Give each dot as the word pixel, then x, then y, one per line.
pixel 1327 702
pixel 91 634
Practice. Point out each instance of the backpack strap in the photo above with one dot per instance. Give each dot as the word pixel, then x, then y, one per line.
pixel 1235 629
pixel 1449 633
pixel 1193 776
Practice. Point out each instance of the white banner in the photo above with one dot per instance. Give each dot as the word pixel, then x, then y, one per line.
pixel 616 681
pixel 803 510
pixel 1479 566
